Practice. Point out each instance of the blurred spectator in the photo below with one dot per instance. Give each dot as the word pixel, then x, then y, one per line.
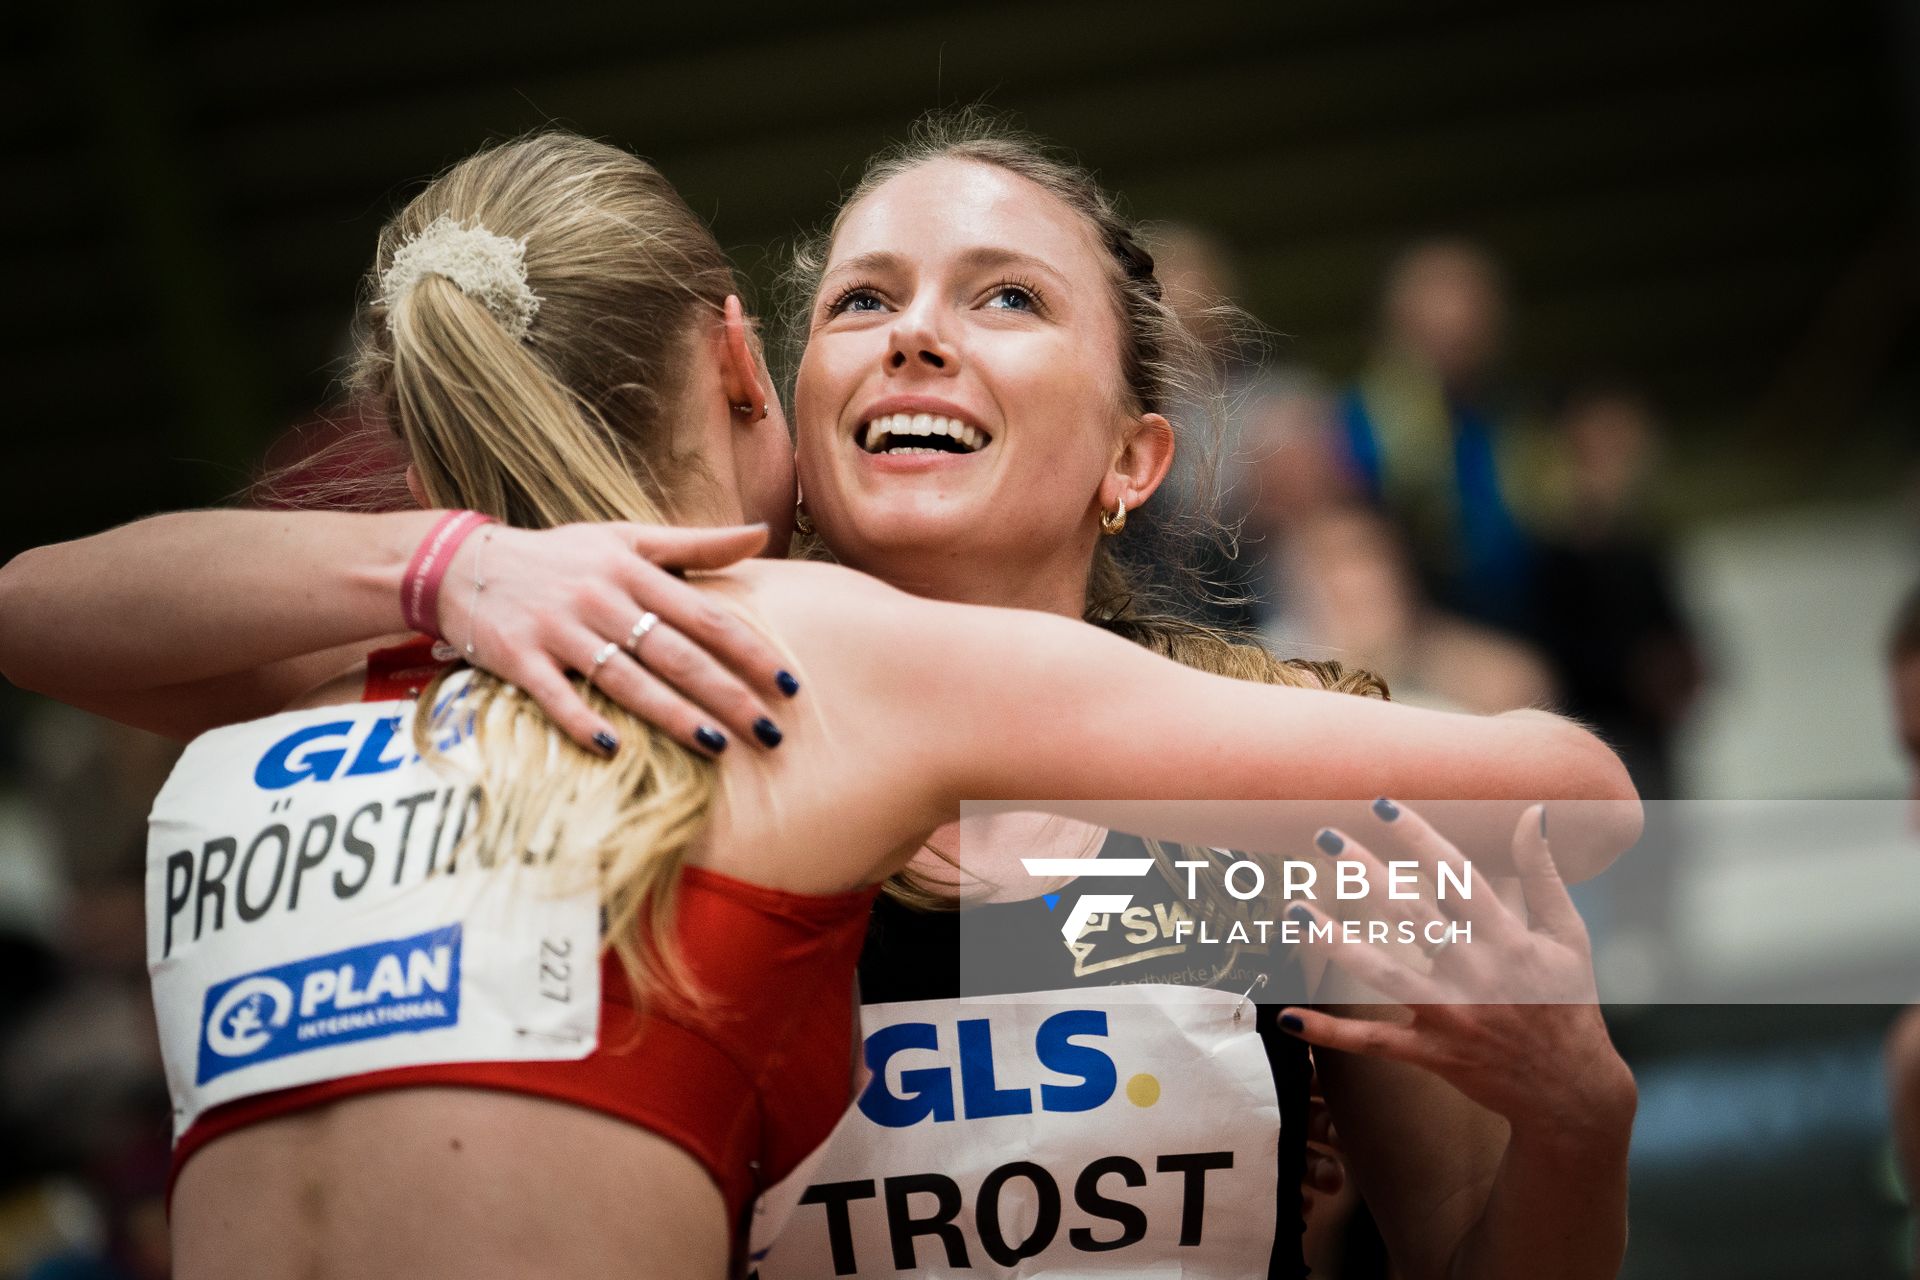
pixel 1353 594
pixel 1337 580
pixel 1607 611
pixel 1904 661
pixel 1425 429
pixel 1180 546
pixel 1295 468
pixel 83 1103
pixel 1903 1045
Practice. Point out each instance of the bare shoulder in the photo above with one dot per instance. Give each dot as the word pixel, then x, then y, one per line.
pixel 802 584
pixel 810 608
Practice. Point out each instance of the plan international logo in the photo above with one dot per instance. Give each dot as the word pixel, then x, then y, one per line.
pixel 361 993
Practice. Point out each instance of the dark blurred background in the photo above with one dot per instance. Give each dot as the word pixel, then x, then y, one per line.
pixel 1593 384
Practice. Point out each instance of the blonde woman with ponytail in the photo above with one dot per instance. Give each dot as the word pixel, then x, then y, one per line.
pixel 625 385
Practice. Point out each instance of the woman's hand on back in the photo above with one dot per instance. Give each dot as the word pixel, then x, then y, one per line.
pixel 551 601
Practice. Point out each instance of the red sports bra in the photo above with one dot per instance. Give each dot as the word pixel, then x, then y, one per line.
pixel 749 1085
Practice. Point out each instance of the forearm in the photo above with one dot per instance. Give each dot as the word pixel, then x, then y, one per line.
pixel 1558 1205
pixel 200 594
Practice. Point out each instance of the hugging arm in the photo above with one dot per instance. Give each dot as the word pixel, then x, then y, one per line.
pixel 1092 727
pixel 182 622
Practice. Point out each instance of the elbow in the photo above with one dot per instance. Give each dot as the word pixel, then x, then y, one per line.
pixel 13 608
pixel 17 607
pixel 1596 813
pixel 1607 811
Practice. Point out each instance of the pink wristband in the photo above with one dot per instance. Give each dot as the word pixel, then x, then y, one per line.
pixel 420 588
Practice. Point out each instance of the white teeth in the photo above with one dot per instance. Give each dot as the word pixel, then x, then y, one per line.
pixel 881 431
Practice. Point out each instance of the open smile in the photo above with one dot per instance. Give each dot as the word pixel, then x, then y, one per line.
pixel 919 433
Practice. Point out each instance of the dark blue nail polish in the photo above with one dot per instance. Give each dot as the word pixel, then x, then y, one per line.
pixel 712 739
pixel 1300 915
pixel 1543 822
pixel 1330 842
pixel 1291 1022
pixel 1385 809
pixel 606 742
pixel 767 731
pixel 786 683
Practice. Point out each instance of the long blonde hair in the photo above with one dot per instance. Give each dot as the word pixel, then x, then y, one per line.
pixel 569 423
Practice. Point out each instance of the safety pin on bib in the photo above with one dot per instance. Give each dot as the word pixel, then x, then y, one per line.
pixel 1259 980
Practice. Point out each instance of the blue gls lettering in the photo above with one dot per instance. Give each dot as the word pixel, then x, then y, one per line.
pixel 370 760
pixel 983 1097
pixel 929 1091
pixel 285 763
pixel 277 769
pixel 1053 1045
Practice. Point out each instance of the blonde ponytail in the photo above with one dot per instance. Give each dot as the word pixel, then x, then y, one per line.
pixel 566 423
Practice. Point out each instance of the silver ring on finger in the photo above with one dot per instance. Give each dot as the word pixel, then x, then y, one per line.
pixel 642 627
pixel 600 657
pixel 1432 950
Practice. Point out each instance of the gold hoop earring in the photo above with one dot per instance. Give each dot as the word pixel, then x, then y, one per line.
pixel 744 409
pixel 1112 522
pixel 801 520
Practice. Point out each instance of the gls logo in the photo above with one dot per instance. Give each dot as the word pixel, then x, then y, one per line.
pixel 361 993
pixel 279 768
pixel 928 1090
pixel 318 750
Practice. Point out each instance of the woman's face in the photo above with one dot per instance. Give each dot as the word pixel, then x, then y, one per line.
pixel 959 401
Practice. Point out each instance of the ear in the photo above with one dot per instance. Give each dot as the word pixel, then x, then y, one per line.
pixel 418 490
pixel 1142 463
pixel 742 373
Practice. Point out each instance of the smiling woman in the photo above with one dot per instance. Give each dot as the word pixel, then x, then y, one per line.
pixel 963 296
pixel 1067 393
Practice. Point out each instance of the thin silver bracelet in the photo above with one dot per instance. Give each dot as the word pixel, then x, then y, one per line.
pixel 479 585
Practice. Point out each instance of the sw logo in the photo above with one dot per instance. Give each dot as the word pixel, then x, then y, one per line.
pixel 928 1090
pixel 361 993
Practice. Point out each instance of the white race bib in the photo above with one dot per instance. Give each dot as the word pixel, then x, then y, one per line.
pixel 306 920
pixel 1128 1130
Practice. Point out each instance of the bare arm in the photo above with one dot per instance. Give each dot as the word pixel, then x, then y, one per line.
pixel 187 620
pixel 1108 733
pixel 182 622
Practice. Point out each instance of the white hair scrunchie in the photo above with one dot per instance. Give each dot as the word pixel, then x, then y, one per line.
pixel 491 269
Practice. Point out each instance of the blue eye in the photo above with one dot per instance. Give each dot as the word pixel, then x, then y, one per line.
pixel 1011 297
pixel 854 299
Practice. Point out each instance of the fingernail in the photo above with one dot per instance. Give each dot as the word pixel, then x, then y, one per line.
pixel 1543 822
pixel 787 684
pixel 1300 915
pixel 712 739
pixel 767 731
pixel 606 742
pixel 1385 809
pixel 1291 1022
pixel 1330 842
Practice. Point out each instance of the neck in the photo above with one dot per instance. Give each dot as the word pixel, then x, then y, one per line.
pixel 1056 585
pixel 707 492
